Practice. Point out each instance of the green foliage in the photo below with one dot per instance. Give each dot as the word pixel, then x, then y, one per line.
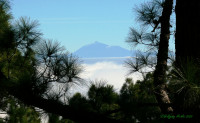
pixel 53 118
pixel 6 32
pixel 136 100
pixel 185 87
pixel 1 120
pixel 19 113
pixel 79 102
pixel 29 65
pixel 27 52
pixel 102 97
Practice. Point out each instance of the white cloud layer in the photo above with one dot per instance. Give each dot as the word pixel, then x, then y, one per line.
pixel 114 74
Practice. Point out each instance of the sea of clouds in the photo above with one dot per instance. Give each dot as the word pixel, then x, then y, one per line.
pixel 110 72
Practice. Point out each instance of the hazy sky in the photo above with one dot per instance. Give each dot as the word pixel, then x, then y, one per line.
pixel 75 23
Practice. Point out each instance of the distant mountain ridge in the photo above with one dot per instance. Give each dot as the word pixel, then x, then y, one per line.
pixel 98 49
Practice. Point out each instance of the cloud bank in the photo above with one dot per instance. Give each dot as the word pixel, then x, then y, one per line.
pixel 113 73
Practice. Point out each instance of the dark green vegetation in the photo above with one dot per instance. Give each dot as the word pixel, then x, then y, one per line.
pixel 31 65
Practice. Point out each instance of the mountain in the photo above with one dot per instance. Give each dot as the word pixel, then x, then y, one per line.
pixel 97 49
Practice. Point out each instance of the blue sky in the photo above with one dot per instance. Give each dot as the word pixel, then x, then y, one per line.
pixel 75 23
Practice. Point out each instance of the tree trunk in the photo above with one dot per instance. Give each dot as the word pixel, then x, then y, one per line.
pixel 187 30
pixel 187 38
pixel 161 67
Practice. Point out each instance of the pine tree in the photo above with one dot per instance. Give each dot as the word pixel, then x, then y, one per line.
pixel 156 14
pixel 162 56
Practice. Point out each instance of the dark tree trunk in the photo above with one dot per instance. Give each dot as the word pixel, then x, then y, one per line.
pixel 187 38
pixel 187 30
pixel 161 67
